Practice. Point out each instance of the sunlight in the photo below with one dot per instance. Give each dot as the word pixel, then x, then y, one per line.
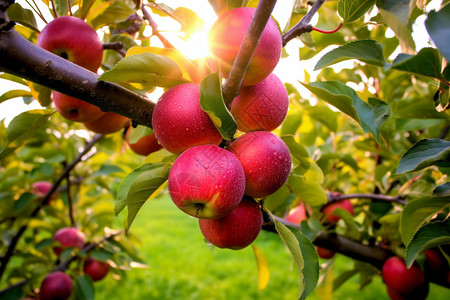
pixel 197 46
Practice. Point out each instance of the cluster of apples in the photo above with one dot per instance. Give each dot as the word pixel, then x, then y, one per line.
pixel 75 40
pixel 59 285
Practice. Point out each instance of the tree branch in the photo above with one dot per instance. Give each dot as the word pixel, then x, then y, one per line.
pixel 154 27
pixel 377 197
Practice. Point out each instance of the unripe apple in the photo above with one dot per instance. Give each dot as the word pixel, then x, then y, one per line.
pixel 329 208
pixel 262 106
pixel 297 214
pixel 95 269
pixel 56 286
pixel 179 121
pixel 226 36
pixel 73 39
pixel 401 279
pixel 206 182
pixel 76 110
pixel 145 145
pixel 324 253
pixel 236 230
pixel 266 161
pixel 108 123
pixel 68 237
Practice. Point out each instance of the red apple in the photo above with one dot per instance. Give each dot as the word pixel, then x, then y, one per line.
pixel 109 123
pixel 329 208
pixel 76 110
pixel 145 145
pixel 266 160
pixel 206 182
pixel 324 252
pixel 56 286
pixel 68 237
pixel 226 36
pixel 262 106
pixel 402 280
pixel 236 230
pixel 179 121
pixel 41 188
pixel 73 39
pixel 97 270
pixel 435 262
pixel 420 293
pixel 297 214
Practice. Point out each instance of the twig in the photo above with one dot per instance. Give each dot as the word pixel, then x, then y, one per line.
pixel 377 197
pixel 327 31
pixel 154 27
pixel 214 6
pixel 70 200
pixel 116 46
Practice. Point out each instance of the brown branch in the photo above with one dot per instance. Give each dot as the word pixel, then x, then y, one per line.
pixel 332 197
pixel 70 199
pixel 116 46
pixel 154 27
pixel 234 82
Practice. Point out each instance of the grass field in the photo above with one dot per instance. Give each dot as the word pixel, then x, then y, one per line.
pixel 182 266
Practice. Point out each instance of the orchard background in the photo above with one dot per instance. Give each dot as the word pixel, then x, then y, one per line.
pixel 368 121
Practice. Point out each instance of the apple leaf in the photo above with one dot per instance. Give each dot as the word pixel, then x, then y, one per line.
pixel 423 154
pixel 442 190
pixel 61 6
pixel 84 288
pixel 429 236
pixel 438 27
pixel 189 20
pixel 25 17
pixel 41 93
pixel 109 13
pixel 298 152
pixel 137 133
pixel 14 94
pixel 147 69
pixel 418 212
pixel 352 10
pixel 263 269
pixel 212 103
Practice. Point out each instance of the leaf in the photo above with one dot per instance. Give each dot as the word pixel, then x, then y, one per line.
pixel 41 93
pixel 190 21
pixel 310 192
pixel 25 17
pixel 297 151
pixel 263 269
pixel 212 103
pixel 137 133
pixel 367 51
pixel 346 100
pixel 352 10
pixel 14 94
pixel 61 6
pixel 442 190
pixel 423 154
pixel 438 27
pixel 109 13
pixel 427 63
pixel 84 288
pixel 418 212
pixel 429 236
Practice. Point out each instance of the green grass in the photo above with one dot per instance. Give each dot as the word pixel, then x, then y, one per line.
pixel 183 266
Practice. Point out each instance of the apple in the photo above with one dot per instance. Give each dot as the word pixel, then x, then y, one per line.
pixel 262 106
pixel 179 121
pixel 73 39
pixel 68 237
pixel 297 214
pixel 226 36
pixel 420 293
pixel 236 230
pixel 398 277
pixel 266 161
pixel 145 145
pixel 329 208
pixel 95 269
pixel 324 252
pixel 56 286
pixel 76 110
pixel 108 123
pixel 206 182
pixel 435 262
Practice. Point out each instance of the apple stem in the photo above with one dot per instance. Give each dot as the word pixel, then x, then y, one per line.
pixel 327 31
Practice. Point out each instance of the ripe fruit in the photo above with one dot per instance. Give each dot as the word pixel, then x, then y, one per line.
pixel 324 253
pixel 227 34
pixel 329 208
pixel 76 110
pixel 206 182
pixel 236 230
pixel 56 286
pixel 73 39
pixel 145 145
pixel 179 121
pixel 266 161
pixel 297 214
pixel 420 293
pixel 108 123
pixel 262 106
pixel 435 262
pixel 402 280
pixel 68 237
pixel 97 270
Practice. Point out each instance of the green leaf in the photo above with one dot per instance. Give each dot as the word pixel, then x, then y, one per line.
pixel 438 27
pixel 297 151
pixel 137 133
pixel 25 17
pixel 84 288
pixel 310 192
pixel 110 13
pixel 352 10
pixel 427 63
pixel 190 21
pixel 212 103
pixel 41 93
pixel 429 236
pixel 62 7
pixel 147 69
pixel 346 100
pixel 367 51
pixel 442 190
pixel 263 269
pixel 423 154
pixel 418 212
pixel 14 94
